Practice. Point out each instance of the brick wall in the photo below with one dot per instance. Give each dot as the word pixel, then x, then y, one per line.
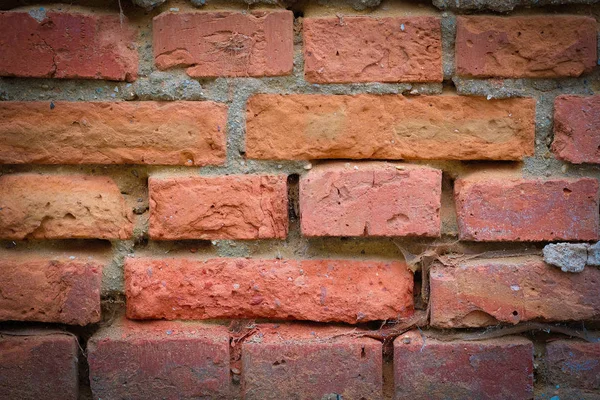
pixel 299 199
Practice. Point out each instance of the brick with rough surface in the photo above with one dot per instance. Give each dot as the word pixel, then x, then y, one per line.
pixel 574 364
pixel 542 46
pixel 159 360
pixel 315 290
pixel 167 133
pixel 210 44
pixel 38 288
pixel 512 209
pixel 485 292
pixel 310 362
pixel 38 364
pixel 577 129
pixel 494 369
pixel 370 199
pixel 218 207
pixel 36 206
pixel 300 127
pixel 372 49
pixel 40 44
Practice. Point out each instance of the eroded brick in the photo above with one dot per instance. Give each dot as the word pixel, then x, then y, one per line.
pixel 370 199
pixel 300 127
pixel 209 44
pixel 167 133
pixel 219 207
pixel 542 46
pixel 486 292
pixel 573 364
pixel 314 290
pixel 372 49
pixel 40 44
pixel 576 129
pixel 62 206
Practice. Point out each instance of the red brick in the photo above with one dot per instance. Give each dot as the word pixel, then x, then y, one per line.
pixel 159 360
pixel 62 206
pixel 370 199
pixel 310 362
pixel 486 292
pixel 573 364
pixel 38 288
pixel 218 207
pixel 540 46
pixel 426 368
pixel 209 44
pixel 372 49
pixel 315 290
pixel 299 127
pixel 577 129
pixel 38 364
pixel 512 209
pixel 168 133
pixel 67 45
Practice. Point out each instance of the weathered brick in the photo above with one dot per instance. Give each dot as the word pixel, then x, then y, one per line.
pixel 576 127
pixel 38 364
pixel 297 127
pixel 39 288
pixel 370 199
pixel 315 290
pixel 485 292
pixel 62 206
pixel 512 209
pixel 310 362
pixel 573 364
pixel 209 44
pixel 168 133
pixel 542 46
pixel 219 207
pixel 42 44
pixel 159 360
pixel 372 49
pixel 426 368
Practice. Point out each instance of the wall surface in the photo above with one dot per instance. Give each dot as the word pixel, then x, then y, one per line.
pixel 299 199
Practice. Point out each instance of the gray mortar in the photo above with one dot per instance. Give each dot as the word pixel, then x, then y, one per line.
pixel 148 4
pixel 359 5
pixel 448 40
pixel 594 255
pixel 501 5
pixel 569 257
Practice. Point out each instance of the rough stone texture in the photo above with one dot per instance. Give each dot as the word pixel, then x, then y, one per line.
pixel 512 209
pixel 38 364
pixel 426 368
pixel 594 255
pixel 372 49
pixel 67 45
pixel 181 132
pixel 576 129
pixel 370 199
pixel 574 364
pixel 525 47
pixel 569 257
pixel 160 360
pixel 36 206
pixel 485 292
pixel 315 290
pixel 208 44
pixel 309 362
pixel 148 4
pixel 219 207
pixel 297 127
pixel 37 288
pixel 501 5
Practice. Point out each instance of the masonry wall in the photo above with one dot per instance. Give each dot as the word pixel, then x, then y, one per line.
pixel 299 200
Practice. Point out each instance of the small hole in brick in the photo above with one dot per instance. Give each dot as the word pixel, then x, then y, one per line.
pixel 279 362
pixel 515 313
pixel 363 353
pixel 567 191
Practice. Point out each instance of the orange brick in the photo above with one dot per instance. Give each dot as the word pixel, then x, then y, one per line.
pixel 166 133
